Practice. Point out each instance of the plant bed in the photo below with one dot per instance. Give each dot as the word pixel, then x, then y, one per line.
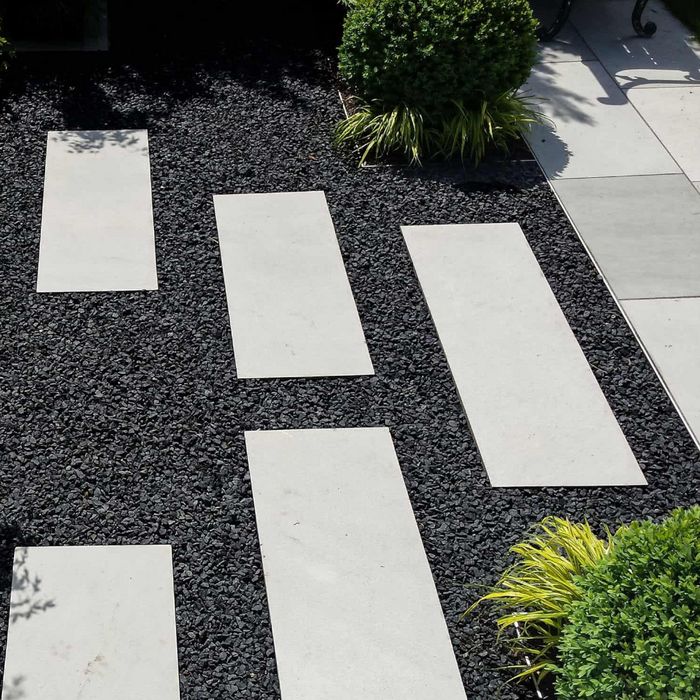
pixel 517 149
pixel 435 78
pixel 612 619
pixel 121 415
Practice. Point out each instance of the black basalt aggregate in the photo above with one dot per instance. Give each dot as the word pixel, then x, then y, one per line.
pixel 121 418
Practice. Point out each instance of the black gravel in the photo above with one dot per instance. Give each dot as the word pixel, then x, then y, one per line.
pixel 121 418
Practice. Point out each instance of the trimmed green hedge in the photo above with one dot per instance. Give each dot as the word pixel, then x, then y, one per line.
pixel 635 632
pixel 429 53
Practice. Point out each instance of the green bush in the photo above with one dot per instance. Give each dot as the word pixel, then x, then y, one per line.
pixel 5 51
pixel 429 53
pixel 537 592
pixel 635 632
pixel 375 131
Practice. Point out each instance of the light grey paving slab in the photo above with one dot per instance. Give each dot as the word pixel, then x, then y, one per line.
pixel 596 132
pixel 669 58
pixel 644 232
pixel 353 605
pixel 697 186
pixel 674 115
pixel 670 331
pixel 536 411
pixel 93 623
pixel 97 219
pixel 566 46
pixel 290 304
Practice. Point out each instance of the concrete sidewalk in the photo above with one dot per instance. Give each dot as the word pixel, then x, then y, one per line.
pixel 623 156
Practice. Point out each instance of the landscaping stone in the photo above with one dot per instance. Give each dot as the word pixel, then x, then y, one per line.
pixel 670 331
pixel 596 132
pixel 532 402
pixel 673 115
pixel 95 622
pixel 121 417
pixel 290 304
pixel 353 606
pixel 97 219
pixel 657 255
pixel 670 58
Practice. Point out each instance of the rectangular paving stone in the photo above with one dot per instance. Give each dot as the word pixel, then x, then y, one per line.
pixel 674 115
pixel 644 232
pixel 536 411
pixel 97 219
pixel 354 609
pixel 596 132
pixel 668 59
pixel 670 331
pixel 92 622
pixel 290 304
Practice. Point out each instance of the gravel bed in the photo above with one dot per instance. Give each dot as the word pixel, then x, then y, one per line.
pixel 121 418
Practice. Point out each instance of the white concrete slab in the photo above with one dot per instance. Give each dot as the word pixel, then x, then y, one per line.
pixel 536 411
pixel 353 606
pixel 97 220
pixel 644 232
pixel 95 623
pixel 697 186
pixel 566 46
pixel 674 115
pixel 670 331
pixel 290 304
pixel 669 58
pixel 596 132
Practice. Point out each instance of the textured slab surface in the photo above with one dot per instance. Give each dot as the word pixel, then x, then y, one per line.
pixel 670 58
pixel 92 622
pixel 674 115
pixel 97 218
pixel 291 307
pixel 566 46
pixel 537 413
pixel 670 331
pixel 644 232
pixel 353 606
pixel 597 133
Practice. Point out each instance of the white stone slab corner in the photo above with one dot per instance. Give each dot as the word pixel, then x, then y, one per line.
pixel 92 622
pixel 354 609
pixel 537 413
pixel 97 219
pixel 290 305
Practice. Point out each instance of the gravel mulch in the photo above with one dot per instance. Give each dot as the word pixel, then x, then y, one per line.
pixel 121 418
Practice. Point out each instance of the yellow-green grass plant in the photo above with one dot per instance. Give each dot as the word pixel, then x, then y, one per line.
pixel 376 131
pixel 535 594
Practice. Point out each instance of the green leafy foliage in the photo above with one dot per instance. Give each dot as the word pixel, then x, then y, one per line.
pixel 435 52
pixel 538 591
pixel 6 52
pixel 634 634
pixel 375 131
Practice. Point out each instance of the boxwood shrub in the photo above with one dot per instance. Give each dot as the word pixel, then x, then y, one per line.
pixel 429 53
pixel 635 632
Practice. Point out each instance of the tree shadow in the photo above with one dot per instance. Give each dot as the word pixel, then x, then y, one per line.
pixel 14 689
pixel 95 141
pixel 26 600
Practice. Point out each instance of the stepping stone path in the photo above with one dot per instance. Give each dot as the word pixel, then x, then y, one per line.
pixel 92 622
pixel 290 304
pixel 354 609
pixel 537 413
pixel 353 606
pixel 97 220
